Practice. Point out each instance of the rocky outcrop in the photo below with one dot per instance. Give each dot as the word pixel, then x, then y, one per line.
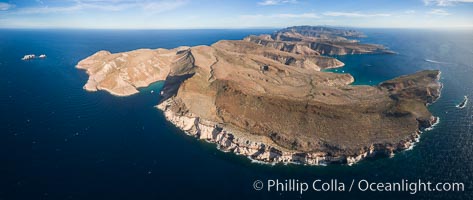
pixel 321 32
pixel 317 41
pixel 271 104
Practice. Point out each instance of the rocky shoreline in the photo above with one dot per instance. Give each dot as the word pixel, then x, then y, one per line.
pixel 228 141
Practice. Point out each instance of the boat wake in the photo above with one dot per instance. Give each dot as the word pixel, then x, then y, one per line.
pixel 463 103
pixel 435 61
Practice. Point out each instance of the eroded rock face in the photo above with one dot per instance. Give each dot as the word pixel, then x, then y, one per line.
pixel 272 102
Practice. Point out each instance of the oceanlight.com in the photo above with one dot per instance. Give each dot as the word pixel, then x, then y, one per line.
pixel 334 185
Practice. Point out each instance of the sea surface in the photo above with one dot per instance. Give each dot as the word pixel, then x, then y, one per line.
pixel 58 141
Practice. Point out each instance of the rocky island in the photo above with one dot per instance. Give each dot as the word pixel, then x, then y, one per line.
pixel 268 98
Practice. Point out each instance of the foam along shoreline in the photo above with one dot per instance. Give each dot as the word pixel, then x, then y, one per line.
pixel 33 56
pixel 436 122
pixel 417 139
pixel 28 57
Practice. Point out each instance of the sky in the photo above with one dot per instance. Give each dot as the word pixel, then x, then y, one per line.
pixel 189 14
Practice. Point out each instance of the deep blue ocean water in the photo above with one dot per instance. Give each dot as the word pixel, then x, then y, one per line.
pixel 58 141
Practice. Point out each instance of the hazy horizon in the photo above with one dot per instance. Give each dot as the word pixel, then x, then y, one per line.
pixel 206 14
pixel 234 28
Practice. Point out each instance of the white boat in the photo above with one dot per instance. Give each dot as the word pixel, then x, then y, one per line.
pixel 42 56
pixel 28 57
pixel 463 103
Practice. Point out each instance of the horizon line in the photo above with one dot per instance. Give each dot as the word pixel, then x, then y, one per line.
pixel 230 28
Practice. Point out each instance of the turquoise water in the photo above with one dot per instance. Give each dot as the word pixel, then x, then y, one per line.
pixel 58 141
pixel 369 69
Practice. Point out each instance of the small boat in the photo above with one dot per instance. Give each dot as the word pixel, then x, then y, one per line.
pixel 152 91
pixel 42 56
pixel 463 103
pixel 28 57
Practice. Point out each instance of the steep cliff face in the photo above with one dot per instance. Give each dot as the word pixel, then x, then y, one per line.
pixel 274 104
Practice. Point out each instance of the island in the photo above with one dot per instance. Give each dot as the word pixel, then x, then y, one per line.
pixel 268 97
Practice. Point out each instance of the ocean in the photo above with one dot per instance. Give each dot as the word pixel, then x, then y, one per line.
pixel 58 141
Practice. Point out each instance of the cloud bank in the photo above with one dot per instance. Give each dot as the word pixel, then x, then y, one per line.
pixel 6 6
pixel 445 2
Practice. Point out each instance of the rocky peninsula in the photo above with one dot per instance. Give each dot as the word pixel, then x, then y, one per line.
pixel 266 96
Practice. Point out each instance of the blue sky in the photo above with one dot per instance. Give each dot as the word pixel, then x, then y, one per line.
pixel 176 14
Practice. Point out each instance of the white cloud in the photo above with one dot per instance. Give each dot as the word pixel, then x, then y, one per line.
pixel 69 9
pixel 439 12
pixel 162 6
pixel 47 9
pixel 283 16
pixel 445 2
pixel 303 15
pixel 275 2
pixel 355 14
pixel 104 5
pixel 409 12
pixel 6 6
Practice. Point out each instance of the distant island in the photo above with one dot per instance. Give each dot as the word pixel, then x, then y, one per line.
pixel 266 96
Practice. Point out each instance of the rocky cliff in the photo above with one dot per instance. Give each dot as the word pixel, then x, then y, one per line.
pixel 273 103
